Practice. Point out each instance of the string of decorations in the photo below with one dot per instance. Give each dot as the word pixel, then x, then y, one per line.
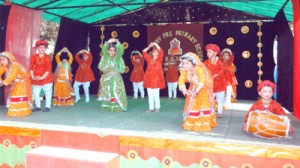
pixel 259 55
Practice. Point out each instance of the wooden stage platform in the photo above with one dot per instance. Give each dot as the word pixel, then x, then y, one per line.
pixel 147 139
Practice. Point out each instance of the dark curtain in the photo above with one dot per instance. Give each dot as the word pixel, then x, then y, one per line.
pixel 124 34
pixel 4 12
pixel 285 61
pixel 246 68
pixel 73 35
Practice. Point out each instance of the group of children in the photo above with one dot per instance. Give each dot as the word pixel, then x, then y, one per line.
pixel 208 81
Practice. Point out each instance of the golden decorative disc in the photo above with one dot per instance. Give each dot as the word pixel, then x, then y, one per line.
pixel 259 45
pixel 102 28
pixel 230 41
pixel 246 54
pixel 259 55
pixel 245 29
pixel 258 81
pixel 102 37
pixel 259 64
pixel 260 72
pixel 259 34
pixel 125 45
pixel 213 31
pixel 114 34
pixel 248 83
pixel 6 143
pixel 33 145
pixel 136 34
pixel 259 23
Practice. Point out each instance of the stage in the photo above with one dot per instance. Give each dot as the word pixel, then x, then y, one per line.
pixel 152 135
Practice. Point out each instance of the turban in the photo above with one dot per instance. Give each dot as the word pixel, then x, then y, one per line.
pixel 213 47
pixel 266 83
pixel 41 42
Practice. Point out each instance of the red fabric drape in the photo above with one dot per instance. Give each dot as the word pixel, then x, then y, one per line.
pixel 23 29
pixel 296 9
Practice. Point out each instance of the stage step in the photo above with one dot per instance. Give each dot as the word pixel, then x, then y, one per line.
pixel 54 157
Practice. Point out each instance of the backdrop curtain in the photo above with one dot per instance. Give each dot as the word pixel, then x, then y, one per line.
pixel 4 11
pixel 23 29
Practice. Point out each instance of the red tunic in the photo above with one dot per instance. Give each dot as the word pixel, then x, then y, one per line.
pixel 273 107
pixel 137 74
pixel 154 75
pixel 217 68
pixel 84 72
pixel 40 66
pixel 172 73
pixel 229 71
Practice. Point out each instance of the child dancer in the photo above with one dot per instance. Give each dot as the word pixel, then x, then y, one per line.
pixel 137 74
pixel 112 94
pixel 198 115
pixel 19 101
pixel 62 88
pixel 172 76
pixel 154 76
pixel 227 58
pixel 84 75
pixel 215 66
pixel 41 76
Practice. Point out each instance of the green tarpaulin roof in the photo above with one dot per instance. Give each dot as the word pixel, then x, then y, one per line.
pixel 91 11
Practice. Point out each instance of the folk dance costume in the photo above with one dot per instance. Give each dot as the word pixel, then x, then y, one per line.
pixel 227 58
pixel 84 75
pixel 137 75
pixel 215 66
pixel 63 90
pixel 198 113
pixel 154 76
pixel 41 66
pixel 172 77
pixel 112 91
pixel 19 101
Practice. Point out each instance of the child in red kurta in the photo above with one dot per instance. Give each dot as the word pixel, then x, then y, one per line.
pixel 154 76
pixel 227 58
pixel 84 75
pixel 266 90
pixel 137 74
pixel 215 66
pixel 41 75
pixel 172 76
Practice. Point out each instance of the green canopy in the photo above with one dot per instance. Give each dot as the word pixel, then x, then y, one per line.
pixel 91 11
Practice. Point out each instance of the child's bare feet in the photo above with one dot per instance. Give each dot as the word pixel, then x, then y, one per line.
pixel 150 110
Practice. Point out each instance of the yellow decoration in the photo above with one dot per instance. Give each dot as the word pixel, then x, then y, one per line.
pixel 213 31
pixel 246 54
pixel 260 72
pixel 6 143
pixel 259 55
pixel 205 162
pixel 245 29
pixel 248 83
pixel 114 34
pixel 259 34
pixel 102 37
pixel 167 162
pixel 102 28
pixel 281 152
pixel 125 45
pixel 33 145
pixel 259 23
pixel 136 34
pixel 259 64
pixel 132 155
pixel 230 41
pixel 17 131
pixel 259 45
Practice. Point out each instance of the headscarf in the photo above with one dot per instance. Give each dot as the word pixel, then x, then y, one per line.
pixel 231 56
pixel 213 47
pixel 266 83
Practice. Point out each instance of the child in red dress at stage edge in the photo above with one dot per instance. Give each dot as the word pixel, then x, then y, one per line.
pixel 172 76
pixel 154 75
pixel 266 90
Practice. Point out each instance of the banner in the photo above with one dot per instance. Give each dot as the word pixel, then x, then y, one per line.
pixel 177 39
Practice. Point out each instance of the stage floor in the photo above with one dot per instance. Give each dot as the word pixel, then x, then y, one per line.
pixel 87 117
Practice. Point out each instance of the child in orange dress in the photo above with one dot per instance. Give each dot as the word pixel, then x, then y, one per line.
pixel 137 74
pixel 172 76
pixel 63 90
